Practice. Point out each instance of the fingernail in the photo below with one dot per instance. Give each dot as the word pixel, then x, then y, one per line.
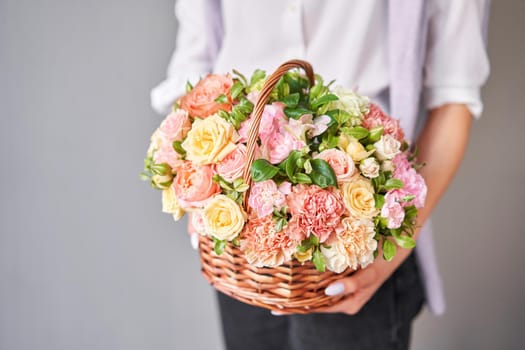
pixel 276 313
pixel 194 241
pixel 334 289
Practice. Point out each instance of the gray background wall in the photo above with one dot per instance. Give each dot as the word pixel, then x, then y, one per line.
pixel 88 261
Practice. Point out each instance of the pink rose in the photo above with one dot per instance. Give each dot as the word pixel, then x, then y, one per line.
pixel 279 147
pixel 166 154
pixel 264 197
pixel 376 117
pixel 314 211
pixel 414 184
pixel 175 127
pixel 341 162
pixel 232 166
pixel 263 245
pixel 393 211
pixel 194 185
pixel 200 101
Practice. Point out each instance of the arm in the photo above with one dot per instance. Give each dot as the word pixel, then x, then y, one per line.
pixel 441 145
pixel 198 41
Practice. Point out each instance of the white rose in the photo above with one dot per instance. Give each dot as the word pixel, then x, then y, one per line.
pixel 334 257
pixel 369 167
pixel 356 105
pixel 387 147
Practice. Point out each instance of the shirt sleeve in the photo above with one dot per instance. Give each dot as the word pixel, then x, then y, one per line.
pixel 197 44
pixel 456 64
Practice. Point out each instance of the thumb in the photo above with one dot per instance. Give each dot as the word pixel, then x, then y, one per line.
pixel 352 284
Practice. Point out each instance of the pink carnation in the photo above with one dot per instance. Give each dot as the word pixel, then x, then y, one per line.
pixel 271 118
pixel 263 245
pixel 278 147
pixel 232 166
pixel 393 211
pixel 376 117
pixel 264 196
pixel 414 184
pixel 314 211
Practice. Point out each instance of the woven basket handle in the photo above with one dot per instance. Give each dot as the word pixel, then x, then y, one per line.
pixel 264 94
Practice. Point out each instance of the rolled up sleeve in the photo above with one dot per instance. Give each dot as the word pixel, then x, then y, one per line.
pixel 197 45
pixel 457 64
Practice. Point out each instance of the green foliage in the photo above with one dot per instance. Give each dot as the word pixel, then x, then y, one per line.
pixel 262 170
pixel 322 173
pixel 318 260
pixel 389 249
pixel 218 246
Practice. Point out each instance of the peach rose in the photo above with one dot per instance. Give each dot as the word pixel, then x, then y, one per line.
pixel 232 166
pixel 341 162
pixel 200 101
pixel 194 185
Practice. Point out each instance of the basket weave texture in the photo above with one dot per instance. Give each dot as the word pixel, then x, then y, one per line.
pixel 292 287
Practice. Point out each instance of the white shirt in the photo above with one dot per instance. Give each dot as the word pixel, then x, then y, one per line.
pixel 345 40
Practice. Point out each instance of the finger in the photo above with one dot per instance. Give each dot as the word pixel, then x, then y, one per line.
pixel 350 305
pixel 279 313
pixel 352 284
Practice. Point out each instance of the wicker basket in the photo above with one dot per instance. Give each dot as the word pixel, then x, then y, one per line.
pixel 292 287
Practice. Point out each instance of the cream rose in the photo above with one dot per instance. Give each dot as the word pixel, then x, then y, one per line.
pixel 387 165
pixel 223 218
pixel 334 257
pixel 304 256
pixel 353 148
pixel 210 140
pixel 358 196
pixel 387 147
pixel 170 204
pixel 369 167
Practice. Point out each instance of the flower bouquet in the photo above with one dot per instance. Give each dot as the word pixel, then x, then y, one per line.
pixel 290 183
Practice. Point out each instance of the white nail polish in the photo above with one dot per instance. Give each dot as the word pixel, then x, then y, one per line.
pixel 194 241
pixel 276 313
pixel 334 289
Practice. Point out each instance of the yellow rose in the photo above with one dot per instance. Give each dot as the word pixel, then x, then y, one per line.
pixel 223 218
pixel 210 140
pixel 353 147
pixel 358 196
pixel 170 204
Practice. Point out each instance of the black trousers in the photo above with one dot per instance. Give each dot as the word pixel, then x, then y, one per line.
pixel 383 323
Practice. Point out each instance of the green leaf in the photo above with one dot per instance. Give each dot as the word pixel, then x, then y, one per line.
pixel 236 89
pixel 380 200
pixel 161 169
pixel 290 163
pixel 296 113
pixel 221 99
pixel 357 132
pixel 242 78
pixel 189 87
pixel 322 173
pixel 262 169
pixel 393 183
pixel 281 223
pixel 177 146
pixel 375 134
pixel 318 102
pixel 389 250
pixel 257 75
pixel 318 260
pixel 291 100
pixel 219 246
pixel 403 241
pixel 302 178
